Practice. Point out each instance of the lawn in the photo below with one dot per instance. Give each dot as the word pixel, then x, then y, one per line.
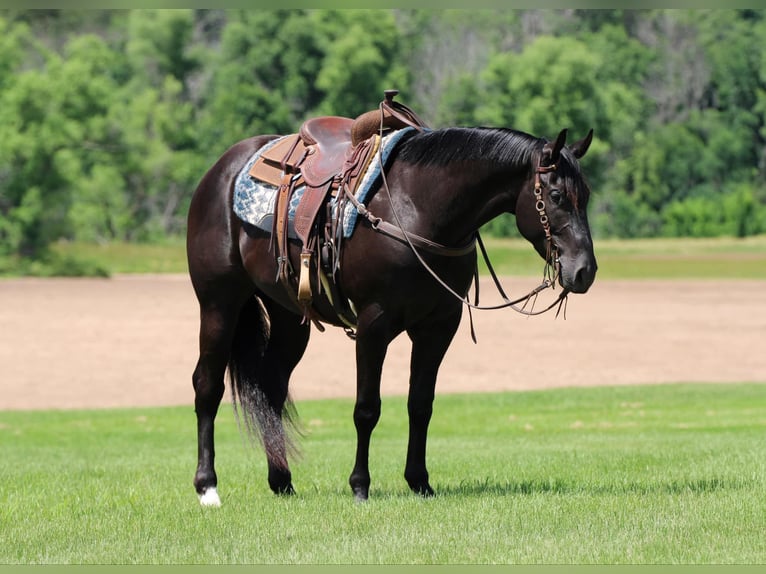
pixel 671 474
pixel 668 474
pixel 723 257
pixel 685 258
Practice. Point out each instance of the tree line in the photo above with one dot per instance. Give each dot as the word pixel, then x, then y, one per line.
pixel 108 118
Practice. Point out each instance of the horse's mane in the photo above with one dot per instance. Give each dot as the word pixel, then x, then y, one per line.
pixel 443 146
pixel 496 145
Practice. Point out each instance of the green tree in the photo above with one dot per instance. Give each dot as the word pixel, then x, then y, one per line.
pixel 551 84
pixel 737 213
pixel 54 120
pixel 363 58
pixel 444 51
pixel 108 118
pixel 251 90
pixel 702 139
pixel 156 161
pixel 12 54
pixel 159 44
pixel 563 82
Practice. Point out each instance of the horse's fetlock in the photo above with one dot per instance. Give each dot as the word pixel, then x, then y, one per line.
pixel 418 483
pixel 360 484
pixel 205 479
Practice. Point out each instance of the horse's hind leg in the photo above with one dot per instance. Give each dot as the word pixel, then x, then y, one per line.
pixel 289 336
pixel 217 324
pixel 430 342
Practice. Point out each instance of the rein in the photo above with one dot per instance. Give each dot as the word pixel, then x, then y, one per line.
pixel 550 272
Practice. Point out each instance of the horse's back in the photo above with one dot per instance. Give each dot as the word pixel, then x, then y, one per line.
pixel 217 182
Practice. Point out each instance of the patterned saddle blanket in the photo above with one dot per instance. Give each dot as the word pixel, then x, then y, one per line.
pixel 254 201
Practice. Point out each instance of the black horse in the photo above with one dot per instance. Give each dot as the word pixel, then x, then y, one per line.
pixel 441 185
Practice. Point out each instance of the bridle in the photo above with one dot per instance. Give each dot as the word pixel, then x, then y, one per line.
pixel 417 243
pixel 552 266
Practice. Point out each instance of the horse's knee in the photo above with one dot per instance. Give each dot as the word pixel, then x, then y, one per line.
pixel 420 413
pixel 366 416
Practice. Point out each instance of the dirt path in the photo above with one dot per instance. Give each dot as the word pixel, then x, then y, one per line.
pixel 131 341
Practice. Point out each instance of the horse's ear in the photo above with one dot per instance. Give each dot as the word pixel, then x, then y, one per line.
pixel 579 148
pixel 552 151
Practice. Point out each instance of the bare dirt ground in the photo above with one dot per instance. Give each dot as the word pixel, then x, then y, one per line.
pixel 132 341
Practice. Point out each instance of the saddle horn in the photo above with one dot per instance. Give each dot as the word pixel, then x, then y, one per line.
pixel 395 117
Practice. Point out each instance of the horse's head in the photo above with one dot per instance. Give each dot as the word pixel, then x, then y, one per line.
pixel 551 212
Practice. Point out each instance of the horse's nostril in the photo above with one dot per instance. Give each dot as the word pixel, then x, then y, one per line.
pixel 584 277
pixel 578 281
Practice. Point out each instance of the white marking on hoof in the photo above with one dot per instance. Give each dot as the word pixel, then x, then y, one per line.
pixel 210 497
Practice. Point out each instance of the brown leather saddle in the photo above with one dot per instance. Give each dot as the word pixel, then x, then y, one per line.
pixel 319 157
pixel 327 153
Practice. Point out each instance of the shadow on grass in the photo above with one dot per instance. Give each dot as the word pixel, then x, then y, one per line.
pixel 557 486
pixel 488 488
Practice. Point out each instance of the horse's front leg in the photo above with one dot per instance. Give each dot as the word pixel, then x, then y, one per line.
pixel 430 341
pixel 372 339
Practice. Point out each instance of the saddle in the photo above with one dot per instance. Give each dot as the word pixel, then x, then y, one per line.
pixel 327 155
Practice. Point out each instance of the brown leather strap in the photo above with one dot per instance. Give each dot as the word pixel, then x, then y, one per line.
pixel 400 111
pixel 307 210
pixel 421 242
pixel 304 283
pixel 280 230
pixel 283 163
pixel 405 237
pixel 284 155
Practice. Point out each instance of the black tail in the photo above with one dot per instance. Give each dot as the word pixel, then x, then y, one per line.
pixel 263 399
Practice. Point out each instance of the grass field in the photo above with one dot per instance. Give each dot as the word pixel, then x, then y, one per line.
pixel 723 257
pixel 671 474
pixel 718 258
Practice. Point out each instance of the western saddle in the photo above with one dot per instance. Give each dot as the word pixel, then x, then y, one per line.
pixel 328 155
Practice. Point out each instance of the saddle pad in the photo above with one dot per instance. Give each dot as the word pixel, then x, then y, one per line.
pixel 254 201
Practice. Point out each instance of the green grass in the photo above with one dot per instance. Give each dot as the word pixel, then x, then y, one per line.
pixel 718 258
pixel 650 474
pixel 77 259
pixel 166 257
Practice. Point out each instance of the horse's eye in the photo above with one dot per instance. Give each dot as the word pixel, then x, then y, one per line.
pixel 557 196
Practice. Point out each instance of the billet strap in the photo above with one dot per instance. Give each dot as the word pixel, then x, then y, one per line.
pixel 280 223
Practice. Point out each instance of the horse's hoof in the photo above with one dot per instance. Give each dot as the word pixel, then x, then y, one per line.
pixel 424 490
pixel 210 497
pixel 285 490
pixel 360 494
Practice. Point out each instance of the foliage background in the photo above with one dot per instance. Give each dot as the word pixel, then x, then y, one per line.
pixel 108 118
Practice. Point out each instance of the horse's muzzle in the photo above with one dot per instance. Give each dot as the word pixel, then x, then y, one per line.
pixel 578 275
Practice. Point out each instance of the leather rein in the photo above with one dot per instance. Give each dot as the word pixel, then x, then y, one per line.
pixel 416 243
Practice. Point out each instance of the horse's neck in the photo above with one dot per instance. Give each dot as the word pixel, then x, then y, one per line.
pixel 455 200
